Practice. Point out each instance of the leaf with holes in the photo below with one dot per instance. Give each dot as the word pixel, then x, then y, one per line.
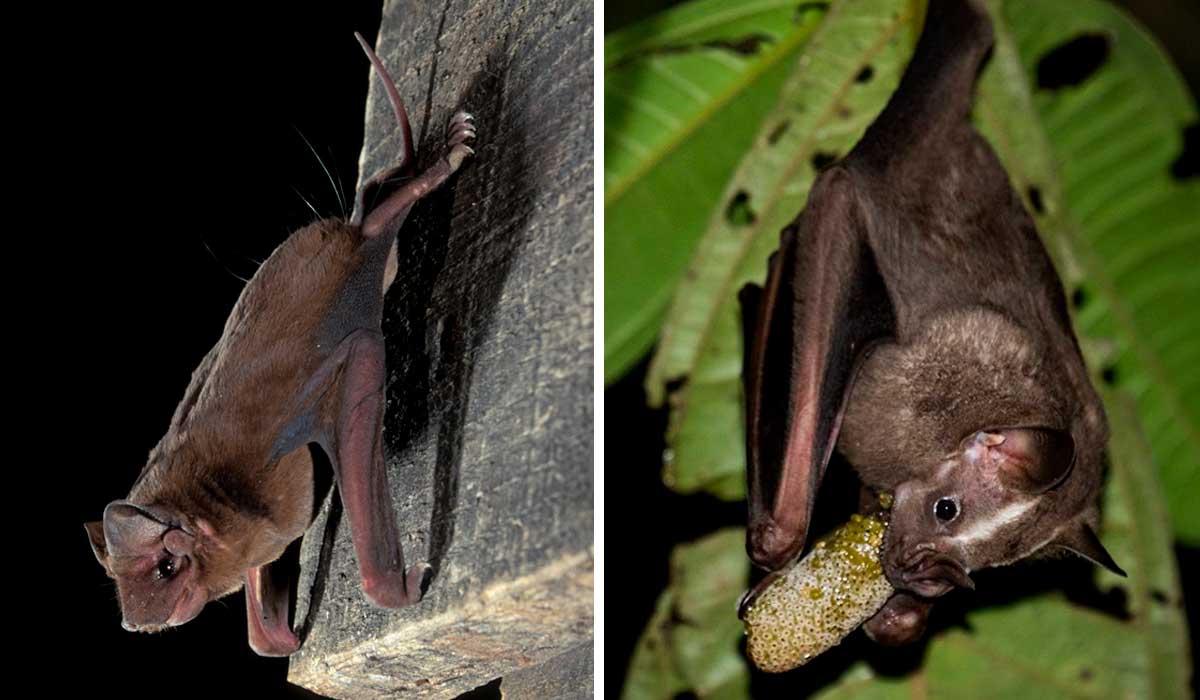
pixel 1092 148
pixel 684 92
pixel 845 74
pixel 1042 646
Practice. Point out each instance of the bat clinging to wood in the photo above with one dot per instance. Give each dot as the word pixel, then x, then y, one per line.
pixel 912 320
pixel 300 366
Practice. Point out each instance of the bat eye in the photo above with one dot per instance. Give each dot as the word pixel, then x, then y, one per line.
pixel 166 568
pixel 946 509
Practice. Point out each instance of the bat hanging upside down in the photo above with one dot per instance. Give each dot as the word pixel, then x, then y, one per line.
pixel 300 364
pixel 912 319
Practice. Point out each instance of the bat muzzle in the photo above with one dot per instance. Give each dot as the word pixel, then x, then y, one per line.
pixel 188 606
pixel 924 570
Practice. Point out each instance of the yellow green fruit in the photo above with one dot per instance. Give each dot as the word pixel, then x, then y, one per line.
pixel 820 600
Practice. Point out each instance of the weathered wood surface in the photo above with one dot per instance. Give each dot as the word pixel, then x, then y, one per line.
pixel 489 332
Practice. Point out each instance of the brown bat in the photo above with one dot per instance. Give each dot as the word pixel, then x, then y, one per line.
pixel 912 319
pixel 300 364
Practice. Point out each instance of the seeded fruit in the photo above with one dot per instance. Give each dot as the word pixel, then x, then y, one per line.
pixel 813 606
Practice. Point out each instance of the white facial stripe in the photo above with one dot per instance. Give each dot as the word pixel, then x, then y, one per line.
pixel 984 529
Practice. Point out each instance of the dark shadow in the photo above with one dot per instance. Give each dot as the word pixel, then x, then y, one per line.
pixel 456 266
pixel 1035 200
pixel 1189 582
pixel 488 691
pixel 1187 165
pixel 322 490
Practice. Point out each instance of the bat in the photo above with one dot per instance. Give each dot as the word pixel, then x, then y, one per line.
pixel 299 367
pixel 912 320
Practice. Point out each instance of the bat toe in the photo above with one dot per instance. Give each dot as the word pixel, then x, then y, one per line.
pixel 458 154
pixel 460 130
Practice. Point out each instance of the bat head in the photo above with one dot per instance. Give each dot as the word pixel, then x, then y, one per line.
pixel 992 502
pixel 155 561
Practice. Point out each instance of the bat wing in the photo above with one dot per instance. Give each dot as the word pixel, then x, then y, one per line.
pixel 823 305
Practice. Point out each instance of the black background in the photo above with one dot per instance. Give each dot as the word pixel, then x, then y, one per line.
pixel 168 160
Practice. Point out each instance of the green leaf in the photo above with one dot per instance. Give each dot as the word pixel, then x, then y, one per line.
pixel 692 640
pixel 1120 228
pixel 846 72
pixel 684 92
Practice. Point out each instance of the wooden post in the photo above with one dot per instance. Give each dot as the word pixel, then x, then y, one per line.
pixel 489 342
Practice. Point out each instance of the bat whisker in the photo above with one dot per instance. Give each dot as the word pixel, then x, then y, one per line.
pixel 305 200
pixel 342 200
pixel 220 262
pixel 336 190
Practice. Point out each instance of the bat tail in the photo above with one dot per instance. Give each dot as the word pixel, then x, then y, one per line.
pixel 935 92
pixel 394 97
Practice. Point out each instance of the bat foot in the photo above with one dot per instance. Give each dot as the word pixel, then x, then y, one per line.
pixel 396 589
pixel 460 130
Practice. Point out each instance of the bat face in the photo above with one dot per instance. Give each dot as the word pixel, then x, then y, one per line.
pixel 155 564
pixel 973 510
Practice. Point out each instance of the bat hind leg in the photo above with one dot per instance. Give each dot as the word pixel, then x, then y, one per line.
pixel 391 211
pixel 361 474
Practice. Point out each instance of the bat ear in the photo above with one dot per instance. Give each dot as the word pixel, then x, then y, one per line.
pixel 1031 460
pixel 95 531
pixel 1082 540
pixel 131 531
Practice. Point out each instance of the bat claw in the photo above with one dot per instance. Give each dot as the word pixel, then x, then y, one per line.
pixel 460 130
pixel 464 132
